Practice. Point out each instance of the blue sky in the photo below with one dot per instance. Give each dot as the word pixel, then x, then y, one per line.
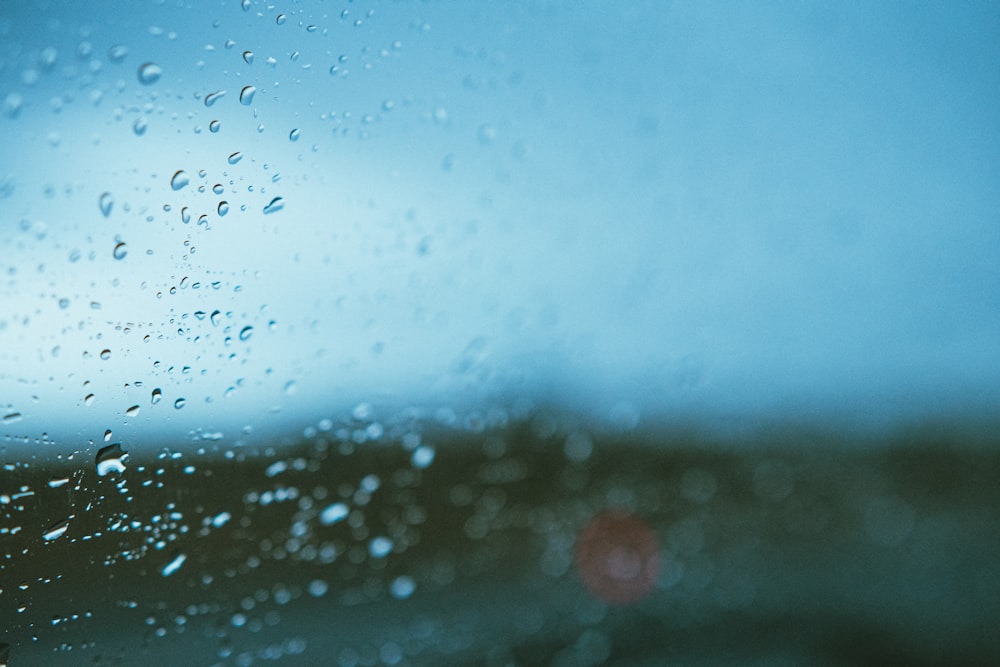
pixel 697 210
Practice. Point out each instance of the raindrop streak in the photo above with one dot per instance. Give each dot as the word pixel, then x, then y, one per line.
pixel 212 98
pixel 246 332
pixel 120 251
pixel 56 482
pixel 173 565
pixel 223 208
pixel 12 418
pixel 275 205
pixel 55 530
pixel 246 95
pixel 107 201
pixel 248 57
pixel 179 403
pixel 149 73
pixel 109 460
pixel 235 157
pixel 293 135
pixel 179 180
pixel 157 395
pixel 133 411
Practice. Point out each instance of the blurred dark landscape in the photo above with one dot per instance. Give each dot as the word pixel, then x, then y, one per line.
pixel 424 543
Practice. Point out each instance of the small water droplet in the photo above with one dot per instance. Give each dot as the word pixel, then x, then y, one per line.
pixel 132 411
pixel 117 53
pixel 56 530
pixel 149 73
pixel 156 396
pixel 185 215
pixel 107 201
pixel 214 317
pixel 248 57
pixel 107 435
pixel 12 418
pixel 293 135
pixel 105 355
pixel 246 95
pixel 223 208
pixel 235 157
pixel 212 98
pixel 214 126
pixel 173 565
pixel 179 403
pixel 179 180
pixel 140 126
pixel 56 482
pixel 275 205
pixel 120 251
pixel 245 4
pixel 111 459
pixel 218 188
pixel 280 19
pixel 88 399
pixel 246 332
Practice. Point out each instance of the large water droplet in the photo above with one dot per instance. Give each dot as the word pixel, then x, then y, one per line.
pixel 132 411
pixel 246 95
pixel 110 459
pixel 248 57
pixel 179 180
pixel 246 332
pixel 149 73
pixel 212 98
pixel 223 208
pixel 245 4
pixel 214 126
pixel 275 205
pixel 105 355
pixel 56 530
pixel 120 250
pixel 12 418
pixel 107 201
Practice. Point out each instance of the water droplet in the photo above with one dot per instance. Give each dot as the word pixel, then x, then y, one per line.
pixel 107 435
pixel 380 547
pixel 248 57
pixel 235 157
pixel 88 399
pixel 218 188
pixel 156 396
pixel 246 95
pixel 105 355
pixel 140 126
pixel 275 205
pixel 110 459
pixel 245 4
pixel 293 135
pixel 107 201
pixel 132 411
pixel 246 332
pixel 212 98
pixel 185 215
pixel 214 317
pixel 422 457
pixel 56 482
pixel 333 514
pixel 56 530
pixel 173 565
pixel 117 53
pixel 280 19
pixel 120 250
pixel 12 418
pixel 223 208
pixel 179 180
pixel 214 126
pixel 149 73
pixel 179 403
pixel 402 587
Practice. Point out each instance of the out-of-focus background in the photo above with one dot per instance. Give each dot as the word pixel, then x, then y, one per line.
pixel 462 278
